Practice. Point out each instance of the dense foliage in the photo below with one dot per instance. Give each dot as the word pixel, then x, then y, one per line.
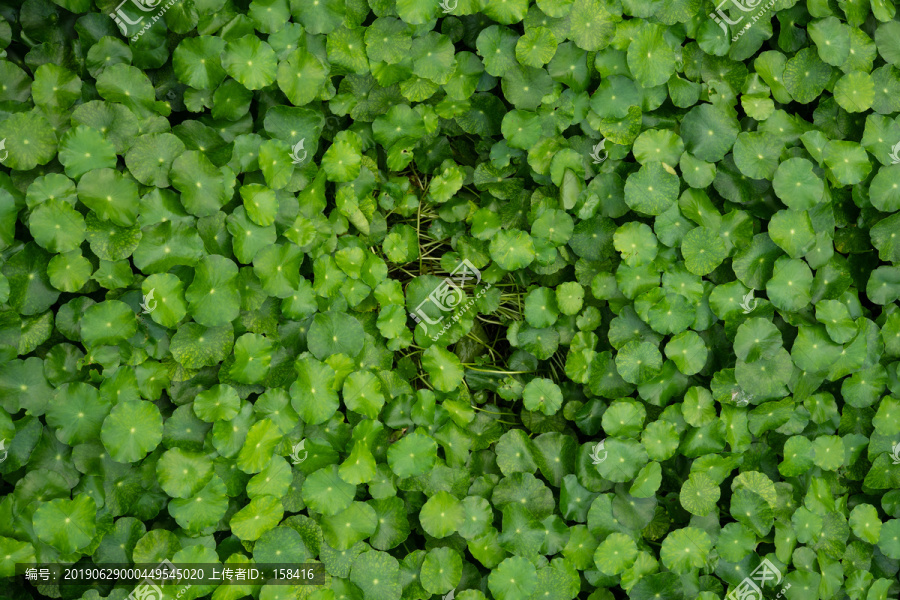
pixel 217 217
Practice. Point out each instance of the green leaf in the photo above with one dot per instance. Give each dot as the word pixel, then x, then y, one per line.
pixel 882 193
pixel 362 394
pixel 258 446
pixel 512 249
pixel 790 286
pixel 594 28
pixel 197 62
pixel 377 574
pixel 855 91
pixel 260 515
pixel 443 368
pixel 805 76
pixel 755 154
pixel 360 466
pixel 638 362
pixel 205 509
pixel 83 149
pixel 847 161
pixel 350 526
pixel 685 549
pixel 132 430
pixel 218 403
pixel 77 412
pixel 110 196
pixel 414 454
pixel 182 474
pixel 167 244
pixel 688 351
pixel 56 226
pixel 709 132
pixel 441 515
pixel 250 61
pixel 615 554
pixel 31 140
pixel 514 579
pixel 326 492
pixel 543 395
pixel 865 523
pixel 165 293
pixel 703 250
pixel 67 525
pixel 16 552
pixel 195 346
pixel 536 47
pixel 252 358
pixel 335 333
pixel 313 394
pixel 441 570
pixel 650 58
pixel 343 159
pixel 887 541
pixel 651 190
pixel 204 188
pixel 793 232
pixel 797 185
pixel 108 323
pixel 213 297
pixel 699 494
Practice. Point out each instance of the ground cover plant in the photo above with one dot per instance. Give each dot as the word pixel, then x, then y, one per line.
pixel 479 299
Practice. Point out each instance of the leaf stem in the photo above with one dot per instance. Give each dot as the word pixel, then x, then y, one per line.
pixel 497 372
pixel 490 412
